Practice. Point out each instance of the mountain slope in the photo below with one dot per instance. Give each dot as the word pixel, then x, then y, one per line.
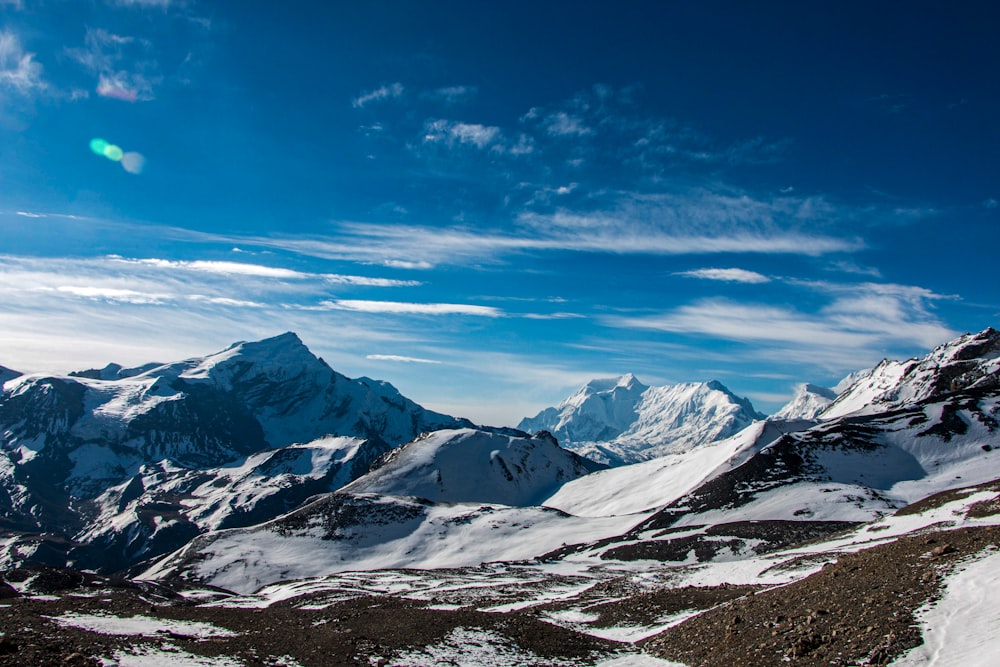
pixel 475 466
pixel 343 532
pixel 970 361
pixel 620 420
pixel 69 440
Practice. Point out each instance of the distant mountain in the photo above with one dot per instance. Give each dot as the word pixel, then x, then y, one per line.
pixel 809 401
pixel 70 441
pixel 932 425
pixel 468 465
pixel 620 420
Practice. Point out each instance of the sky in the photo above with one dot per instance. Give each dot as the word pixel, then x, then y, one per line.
pixel 488 204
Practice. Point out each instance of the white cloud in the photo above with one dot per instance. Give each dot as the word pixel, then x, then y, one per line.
pixel 112 294
pixel 18 69
pixel 161 4
pixel 387 92
pixel 454 94
pixel 262 271
pixel 122 64
pixel 727 275
pixel 861 323
pixel 451 133
pixel 562 124
pixel 402 359
pixel 407 308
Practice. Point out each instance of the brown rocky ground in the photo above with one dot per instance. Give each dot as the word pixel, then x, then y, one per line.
pixel 359 631
pixel 858 611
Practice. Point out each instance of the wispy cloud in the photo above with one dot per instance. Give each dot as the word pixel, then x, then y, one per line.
pixel 123 65
pixel 18 69
pixel 386 92
pixel 263 271
pixel 562 124
pixel 401 359
pixel 452 133
pixel 681 223
pixel 159 4
pixel 726 275
pixel 112 294
pixel 861 322
pixel 453 94
pixel 408 308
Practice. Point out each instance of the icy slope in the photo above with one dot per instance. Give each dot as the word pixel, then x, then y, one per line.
pixel 475 466
pixel 621 421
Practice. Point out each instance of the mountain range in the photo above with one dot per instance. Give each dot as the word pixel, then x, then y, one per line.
pixel 260 471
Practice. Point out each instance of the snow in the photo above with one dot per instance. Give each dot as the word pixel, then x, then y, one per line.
pixel 169 656
pixel 650 484
pixel 960 629
pixel 623 421
pixel 146 626
pixel 467 465
pixel 809 401
pixel 412 535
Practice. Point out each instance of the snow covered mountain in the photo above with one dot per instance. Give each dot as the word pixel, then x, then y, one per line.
pixel 469 465
pixel 809 401
pixel 68 442
pixel 620 420
pixel 968 362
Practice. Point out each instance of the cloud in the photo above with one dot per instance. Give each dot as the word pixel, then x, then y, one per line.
pixel 453 94
pixel 859 324
pixel 18 69
pixel 726 275
pixel 453 133
pixel 112 294
pixel 406 308
pixel 387 92
pixel 402 359
pixel 262 271
pixel 562 124
pixel 161 4
pixel 123 65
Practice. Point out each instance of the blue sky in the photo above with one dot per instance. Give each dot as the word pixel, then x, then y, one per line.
pixel 488 204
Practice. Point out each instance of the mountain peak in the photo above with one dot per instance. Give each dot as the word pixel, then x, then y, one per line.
pixel 809 401
pixel 620 420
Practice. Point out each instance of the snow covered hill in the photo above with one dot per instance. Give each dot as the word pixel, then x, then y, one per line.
pixel 70 441
pixel 343 532
pixel 620 420
pixel 468 465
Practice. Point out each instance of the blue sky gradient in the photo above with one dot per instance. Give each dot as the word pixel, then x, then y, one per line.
pixel 488 204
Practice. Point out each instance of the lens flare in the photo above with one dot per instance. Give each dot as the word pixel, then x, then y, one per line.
pixel 131 161
pixel 98 146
